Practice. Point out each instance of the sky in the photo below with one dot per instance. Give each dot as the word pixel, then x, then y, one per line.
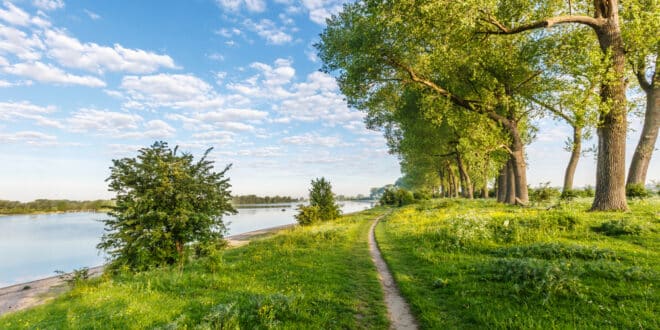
pixel 85 82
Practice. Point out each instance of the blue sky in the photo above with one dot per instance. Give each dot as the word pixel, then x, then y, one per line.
pixel 84 82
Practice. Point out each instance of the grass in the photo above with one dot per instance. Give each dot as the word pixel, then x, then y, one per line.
pixel 478 264
pixel 317 277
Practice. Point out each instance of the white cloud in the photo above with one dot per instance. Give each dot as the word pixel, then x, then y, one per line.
pixel 319 10
pixel 29 138
pixel 216 57
pixel 16 42
pixel 49 4
pixel 177 91
pixel 251 5
pixel 70 52
pixel 102 121
pixel 264 152
pixel 50 74
pixel 92 15
pixel 14 15
pixel 268 30
pixel 309 139
pixel 10 111
pixel 153 129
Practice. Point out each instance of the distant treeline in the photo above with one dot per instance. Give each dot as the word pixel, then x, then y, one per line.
pixel 254 199
pixel 52 205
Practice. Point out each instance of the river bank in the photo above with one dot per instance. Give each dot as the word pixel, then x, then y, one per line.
pixel 29 294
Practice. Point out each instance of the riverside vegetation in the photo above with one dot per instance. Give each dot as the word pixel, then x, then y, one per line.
pixel 459 263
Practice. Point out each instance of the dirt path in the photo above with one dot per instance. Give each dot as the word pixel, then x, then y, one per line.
pixel 25 295
pixel 397 308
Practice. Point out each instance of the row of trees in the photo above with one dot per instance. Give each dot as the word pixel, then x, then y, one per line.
pixel 254 199
pixel 456 85
pixel 52 205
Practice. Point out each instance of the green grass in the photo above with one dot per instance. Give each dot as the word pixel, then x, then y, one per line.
pixel 317 277
pixel 483 265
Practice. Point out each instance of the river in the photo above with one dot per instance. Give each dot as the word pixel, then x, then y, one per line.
pixel 35 246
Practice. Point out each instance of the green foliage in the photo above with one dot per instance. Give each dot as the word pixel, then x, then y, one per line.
pixel 637 190
pixel 321 196
pixel 421 195
pixel 618 228
pixel 74 278
pixel 164 201
pixel 544 193
pixel 569 194
pixel 308 214
pixel 397 197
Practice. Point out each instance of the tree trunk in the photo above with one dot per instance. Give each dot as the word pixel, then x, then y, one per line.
pixel 510 183
pixel 501 184
pixel 575 157
pixel 646 144
pixel 519 166
pixel 465 178
pixel 452 183
pixel 610 169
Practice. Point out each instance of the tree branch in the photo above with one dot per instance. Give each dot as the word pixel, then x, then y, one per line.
pixel 546 23
pixel 553 110
pixel 640 73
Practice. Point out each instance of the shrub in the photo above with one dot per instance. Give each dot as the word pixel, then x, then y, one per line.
pixel 569 194
pixel 421 195
pixel 637 190
pixel 76 277
pixel 551 251
pixel 321 196
pixel 164 201
pixel 588 191
pixel 618 228
pixel 543 193
pixel 308 215
pixel 397 197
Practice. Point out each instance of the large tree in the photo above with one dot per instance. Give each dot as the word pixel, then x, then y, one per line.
pixel 379 46
pixel 164 200
pixel 606 24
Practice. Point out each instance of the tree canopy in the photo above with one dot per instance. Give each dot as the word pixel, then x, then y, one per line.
pixel 164 200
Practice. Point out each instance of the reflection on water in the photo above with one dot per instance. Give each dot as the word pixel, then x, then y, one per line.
pixel 34 246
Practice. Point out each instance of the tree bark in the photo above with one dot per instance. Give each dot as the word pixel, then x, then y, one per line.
pixel 575 158
pixel 519 166
pixel 646 144
pixel 510 183
pixel 466 184
pixel 610 169
pixel 501 184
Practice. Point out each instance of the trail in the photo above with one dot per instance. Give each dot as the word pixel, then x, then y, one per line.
pixel 397 308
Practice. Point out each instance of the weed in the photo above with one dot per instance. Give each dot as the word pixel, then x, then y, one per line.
pixel 618 228
pixel 74 278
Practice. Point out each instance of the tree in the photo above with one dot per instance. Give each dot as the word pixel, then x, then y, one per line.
pixel 164 200
pixel 641 33
pixel 605 23
pixel 379 47
pixel 321 196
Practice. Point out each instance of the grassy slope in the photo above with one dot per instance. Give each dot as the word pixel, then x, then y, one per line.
pixel 482 265
pixel 316 277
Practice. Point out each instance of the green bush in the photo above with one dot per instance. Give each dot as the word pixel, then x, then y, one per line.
pixel 551 251
pixel 397 197
pixel 544 193
pixel 569 194
pixel 308 215
pixel 421 195
pixel 618 228
pixel 637 190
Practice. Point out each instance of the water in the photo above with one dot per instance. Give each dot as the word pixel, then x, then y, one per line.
pixel 34 246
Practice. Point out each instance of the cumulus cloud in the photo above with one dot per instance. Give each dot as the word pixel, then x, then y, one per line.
pixel 269 31
pixel 11 111
pixel 320 10
pixel 70 52
pixel 102 121
pixel 48 73
pixel 176 91
pixel 48 4
pixel 235 5
pixel 18 43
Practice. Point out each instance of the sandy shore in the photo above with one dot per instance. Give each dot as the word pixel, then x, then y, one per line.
pixel 25 295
